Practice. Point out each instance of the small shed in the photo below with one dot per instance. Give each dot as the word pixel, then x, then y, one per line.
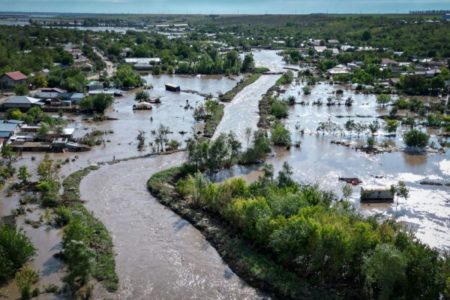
pixel 173 87
pixel 376 195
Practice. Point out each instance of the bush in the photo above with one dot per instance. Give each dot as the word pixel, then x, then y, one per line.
pixel 279 135
pixel 287 78
pixel 141 96
pixel 383 99
pixel 21 90
pixel 391 126
pixel 25 278
pixel 416 138
pixel 259 150
pixel 15 250
pixel 279 109
pixel 306 90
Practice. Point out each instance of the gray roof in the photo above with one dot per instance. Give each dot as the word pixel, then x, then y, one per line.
pixel 8 127
pixel 21 100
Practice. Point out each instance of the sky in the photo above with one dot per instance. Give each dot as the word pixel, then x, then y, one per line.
pixel 223 6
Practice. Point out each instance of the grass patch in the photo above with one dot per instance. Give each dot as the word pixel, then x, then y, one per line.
pixel 228 96
pixel 98 239
pixel 214 119
pixel 255 267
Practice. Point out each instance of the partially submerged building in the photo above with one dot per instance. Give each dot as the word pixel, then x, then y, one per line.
pixel 376 194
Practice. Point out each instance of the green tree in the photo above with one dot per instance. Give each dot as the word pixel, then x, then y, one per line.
pixel 416 138
pixel 23 175
pixel 279 109
pixel 383 99
pixel 21 90
pixel 7 152
pixel 39 81
pixel 15 250
pixel 96 103
pixel 248 65
pixel 383 270
pixel 391 126
pixel 280 136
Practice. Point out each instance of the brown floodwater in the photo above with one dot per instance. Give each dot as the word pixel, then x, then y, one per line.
pixel 158 254
pixel 120 144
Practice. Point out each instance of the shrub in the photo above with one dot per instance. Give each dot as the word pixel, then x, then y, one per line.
pixel 15 250
pixel 287 78
pixel 279 109
pixel 383 99
pixel 141 96
pixel 391 126
pixel 279 135
pixel 416 138
pixel 25 278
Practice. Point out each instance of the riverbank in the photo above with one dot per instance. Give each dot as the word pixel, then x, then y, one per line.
pixel 97 237
pixel 255 268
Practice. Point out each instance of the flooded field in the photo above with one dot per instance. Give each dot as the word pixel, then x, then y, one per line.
pixel 318 161
pixel 159 255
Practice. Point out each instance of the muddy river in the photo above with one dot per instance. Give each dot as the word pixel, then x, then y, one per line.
pixel 159 255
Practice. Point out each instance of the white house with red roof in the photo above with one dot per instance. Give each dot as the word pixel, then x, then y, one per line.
pixel 11 79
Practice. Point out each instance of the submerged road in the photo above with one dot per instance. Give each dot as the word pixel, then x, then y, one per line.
pixel 158 254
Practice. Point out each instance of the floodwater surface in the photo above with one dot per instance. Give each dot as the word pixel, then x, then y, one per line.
pixel 427 209
pixel 159 255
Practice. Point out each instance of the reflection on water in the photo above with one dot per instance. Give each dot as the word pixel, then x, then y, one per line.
pixel 414 160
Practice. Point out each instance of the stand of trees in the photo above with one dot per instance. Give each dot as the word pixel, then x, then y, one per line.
pixel 321 240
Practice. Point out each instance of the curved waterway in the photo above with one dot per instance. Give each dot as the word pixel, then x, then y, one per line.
pixel 158 254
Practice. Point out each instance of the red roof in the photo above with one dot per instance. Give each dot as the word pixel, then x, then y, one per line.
pixel 16 75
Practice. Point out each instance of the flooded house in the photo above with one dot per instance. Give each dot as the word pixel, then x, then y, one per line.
pixel 376 194
pixel 172 87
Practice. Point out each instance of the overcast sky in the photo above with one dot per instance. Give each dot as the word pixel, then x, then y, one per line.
pixel 223 6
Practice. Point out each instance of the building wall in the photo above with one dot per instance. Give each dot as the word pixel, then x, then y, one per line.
pixel 8 83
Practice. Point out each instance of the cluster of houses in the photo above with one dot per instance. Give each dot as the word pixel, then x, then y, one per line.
pixel 49 99
pixel 24 137
pixel 79 59
pixel 397 67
